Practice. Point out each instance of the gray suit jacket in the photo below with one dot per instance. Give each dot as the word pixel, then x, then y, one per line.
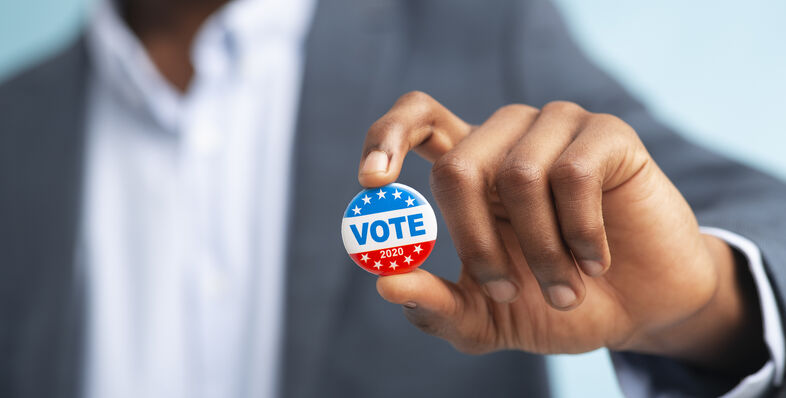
pixel 341 338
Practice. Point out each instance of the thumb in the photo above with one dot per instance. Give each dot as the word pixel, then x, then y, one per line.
pixel 421 289
pixel 431 303
pixel 440 308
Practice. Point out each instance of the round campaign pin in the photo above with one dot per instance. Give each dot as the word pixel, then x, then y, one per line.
pixel 389 230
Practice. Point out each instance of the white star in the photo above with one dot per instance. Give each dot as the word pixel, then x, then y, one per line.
pixel 397 194
pixel 381 194
pixel 377 264
pixel 410 201
pixel 417 249
pixel 366 199
pixel 407 259
pixel 356 210
pixel 393 265
pixel 364 258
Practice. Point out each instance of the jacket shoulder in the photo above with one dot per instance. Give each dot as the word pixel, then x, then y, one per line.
pixel 45 83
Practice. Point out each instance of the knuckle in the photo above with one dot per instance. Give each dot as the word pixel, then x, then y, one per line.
pixel 549 255
pixel 416 97
pixel 453 173
pixel 386 126
pixel 479 253
pixel 572 172
pixel 563 107
pixel 582 233
pixel 549 260
pixel 518 176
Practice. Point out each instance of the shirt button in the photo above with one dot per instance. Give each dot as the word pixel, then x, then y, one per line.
pixel 205 141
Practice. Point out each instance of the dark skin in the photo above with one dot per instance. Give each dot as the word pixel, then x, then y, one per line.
pixel 583 242
pixel 167 29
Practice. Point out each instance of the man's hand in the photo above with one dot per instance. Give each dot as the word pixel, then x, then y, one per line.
pixel 570 237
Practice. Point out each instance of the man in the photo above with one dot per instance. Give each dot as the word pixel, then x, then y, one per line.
pixel 172 185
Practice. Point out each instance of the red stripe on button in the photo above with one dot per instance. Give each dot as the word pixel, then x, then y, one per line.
pixel 394 260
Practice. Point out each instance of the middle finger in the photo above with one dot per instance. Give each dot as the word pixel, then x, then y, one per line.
pixel 461 180
pixel 522 183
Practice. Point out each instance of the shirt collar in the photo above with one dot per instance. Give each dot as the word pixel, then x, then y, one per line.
pixel 231 40
pixel 123 67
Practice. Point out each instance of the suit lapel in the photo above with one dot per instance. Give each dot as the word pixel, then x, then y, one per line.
pixel 350 57
pixel 41 140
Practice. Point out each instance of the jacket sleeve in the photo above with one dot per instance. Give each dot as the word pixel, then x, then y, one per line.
pixel 544 64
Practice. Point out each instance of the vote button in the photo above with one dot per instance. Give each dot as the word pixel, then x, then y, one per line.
pixel 389 230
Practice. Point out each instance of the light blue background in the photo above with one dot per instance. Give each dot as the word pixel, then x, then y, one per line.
pixel 715 69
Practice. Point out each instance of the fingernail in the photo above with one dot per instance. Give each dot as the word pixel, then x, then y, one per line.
pixel 591 267
pixel 561 296
pixel 376 162
pixel 410 305
pixel 501 291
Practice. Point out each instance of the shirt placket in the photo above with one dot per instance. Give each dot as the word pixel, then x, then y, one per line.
pixel 204 132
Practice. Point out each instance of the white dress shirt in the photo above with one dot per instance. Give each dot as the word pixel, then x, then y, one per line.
pixel 185 204
pixel 637 379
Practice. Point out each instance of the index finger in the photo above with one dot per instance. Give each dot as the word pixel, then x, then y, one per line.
pixel 415 122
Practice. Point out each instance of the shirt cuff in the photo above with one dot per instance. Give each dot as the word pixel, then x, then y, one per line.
pixel 671 379
pixel 771 374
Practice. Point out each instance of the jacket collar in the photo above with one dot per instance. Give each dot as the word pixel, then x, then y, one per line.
pixel 351 59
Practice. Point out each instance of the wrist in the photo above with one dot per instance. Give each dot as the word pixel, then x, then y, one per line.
pixel 724 335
